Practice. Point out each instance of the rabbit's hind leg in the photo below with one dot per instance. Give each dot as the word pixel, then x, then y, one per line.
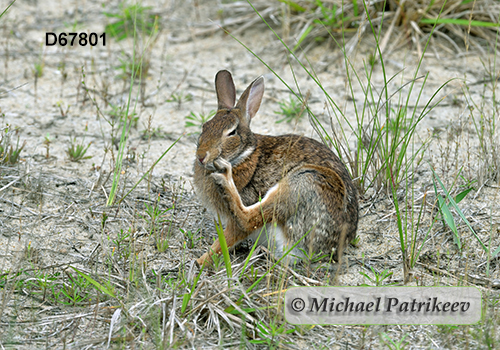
pixel 233 236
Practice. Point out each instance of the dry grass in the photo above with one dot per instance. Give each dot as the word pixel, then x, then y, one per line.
pixel 405 22
pixel 135 283
pixel 45 303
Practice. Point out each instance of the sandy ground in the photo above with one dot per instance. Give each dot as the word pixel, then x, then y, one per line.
pixel 55 207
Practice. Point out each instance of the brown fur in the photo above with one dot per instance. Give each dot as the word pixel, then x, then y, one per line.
pixel 314 190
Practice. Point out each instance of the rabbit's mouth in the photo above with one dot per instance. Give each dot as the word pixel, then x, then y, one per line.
pixel 210 166
pixel 210 163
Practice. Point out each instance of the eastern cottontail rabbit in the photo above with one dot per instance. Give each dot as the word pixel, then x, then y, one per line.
pixel 293 185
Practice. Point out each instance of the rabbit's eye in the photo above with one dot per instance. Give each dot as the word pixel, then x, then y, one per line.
pixel 232 133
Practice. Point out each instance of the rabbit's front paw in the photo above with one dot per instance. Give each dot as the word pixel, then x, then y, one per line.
pixel 224 176
pixel 220 179
pixel 223 165
pixel 225 170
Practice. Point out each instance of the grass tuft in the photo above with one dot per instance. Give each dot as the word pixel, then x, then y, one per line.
pixel 76 150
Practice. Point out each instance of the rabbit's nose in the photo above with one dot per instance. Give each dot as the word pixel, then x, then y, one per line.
pixel 201 158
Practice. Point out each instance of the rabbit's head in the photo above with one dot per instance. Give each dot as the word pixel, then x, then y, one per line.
pixel 227 135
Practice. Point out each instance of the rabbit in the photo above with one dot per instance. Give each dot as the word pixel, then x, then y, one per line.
pixel 281 190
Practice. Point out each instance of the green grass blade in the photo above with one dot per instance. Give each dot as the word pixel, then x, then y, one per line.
pixel 254 246
pixel 399 221
pixel 8 7
pixel 293 5
pixel 187 296
pixel 448 218
pixel 302 37
pixel 446 215
pixel 185 301
pixel 223 247
pixel 495 253
pixel 458 21
pixel 455 206
pixel 354 7
pixel 96 284
pixel 462 195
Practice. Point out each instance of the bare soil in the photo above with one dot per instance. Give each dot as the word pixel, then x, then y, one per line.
pixel 53 211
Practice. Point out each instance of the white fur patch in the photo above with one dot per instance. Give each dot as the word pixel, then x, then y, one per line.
pixel 246 153
pixel 273 238
pixel 266 197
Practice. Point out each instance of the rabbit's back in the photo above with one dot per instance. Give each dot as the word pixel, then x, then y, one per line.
pixel 321 198
pixel 277 157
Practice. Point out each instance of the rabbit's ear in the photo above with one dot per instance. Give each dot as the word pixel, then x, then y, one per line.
pixel 226 92
pixel 250 100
